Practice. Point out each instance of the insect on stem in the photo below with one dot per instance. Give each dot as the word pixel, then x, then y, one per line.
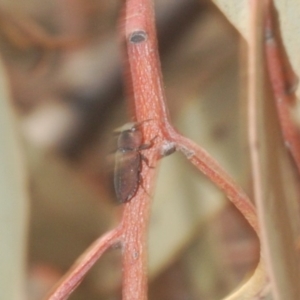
pixel 128 162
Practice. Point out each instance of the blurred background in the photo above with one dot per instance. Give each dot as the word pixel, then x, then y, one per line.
pixel 62 63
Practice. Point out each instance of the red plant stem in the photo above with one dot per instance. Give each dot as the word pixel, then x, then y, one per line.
pixel 282 80
pixel 148 103
pixel 83 264
pixel 209 167
pixel 135 224
pixel 144 66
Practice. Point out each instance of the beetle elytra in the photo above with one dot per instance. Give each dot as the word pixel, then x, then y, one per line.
pixel 128 162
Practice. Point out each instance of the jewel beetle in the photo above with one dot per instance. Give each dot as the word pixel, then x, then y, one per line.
pixel 128 162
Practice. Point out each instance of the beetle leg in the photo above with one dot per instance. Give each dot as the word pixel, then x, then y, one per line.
pixel 148 145
pixel 145 159
pixel 142 184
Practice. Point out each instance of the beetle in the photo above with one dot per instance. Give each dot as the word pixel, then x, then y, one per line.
pixel 128 162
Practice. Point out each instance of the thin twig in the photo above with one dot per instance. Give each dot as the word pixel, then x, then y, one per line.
pixel 283 81
pixel 209 167
pixel 83 264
